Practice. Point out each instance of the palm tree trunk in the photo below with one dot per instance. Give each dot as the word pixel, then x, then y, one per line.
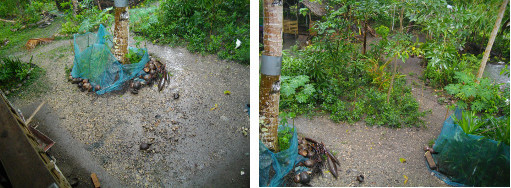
pixel 121 31
pixel 492 39
pixel 269 89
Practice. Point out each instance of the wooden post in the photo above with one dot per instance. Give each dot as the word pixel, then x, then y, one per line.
pixel 121 31
pixel 269 89
pixel 492 39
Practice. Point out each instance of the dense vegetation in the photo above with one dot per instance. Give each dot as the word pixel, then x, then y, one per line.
pixel 333 75
pixel 14 73
pixel 204 26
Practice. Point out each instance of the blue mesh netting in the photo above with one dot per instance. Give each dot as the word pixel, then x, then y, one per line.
pixel 282 162
pixel 95 61
pixel 470 160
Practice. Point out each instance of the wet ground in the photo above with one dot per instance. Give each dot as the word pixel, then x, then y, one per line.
pixel 192 145
pixel 375 151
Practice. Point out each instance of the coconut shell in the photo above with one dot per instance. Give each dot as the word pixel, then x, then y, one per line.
pixel 137 85
pixel 75 80
pixel 144 146
pixel 360 178
pixel 305 178
pixel 310 153
pixel 302 152
pixel 147 77
pixel 87 86
pixel 296 179
pixel 309 163
pixel 146 69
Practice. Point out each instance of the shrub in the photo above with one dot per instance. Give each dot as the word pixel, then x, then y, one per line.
pixel 204 26
pixel 484 96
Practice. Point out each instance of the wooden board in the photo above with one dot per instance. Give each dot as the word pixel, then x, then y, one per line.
pixel 430 160
pixel 26 165
pixel 290 27
pixel 95 180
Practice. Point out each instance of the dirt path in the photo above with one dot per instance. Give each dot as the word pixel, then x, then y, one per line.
pixel 192 145
pixel 375 151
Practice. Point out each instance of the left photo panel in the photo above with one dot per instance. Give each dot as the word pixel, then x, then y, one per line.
pixel 124 93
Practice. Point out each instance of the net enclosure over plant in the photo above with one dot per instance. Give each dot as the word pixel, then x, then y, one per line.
pixel 470 160
pixel 95 61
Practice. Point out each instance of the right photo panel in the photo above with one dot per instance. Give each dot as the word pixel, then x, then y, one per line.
pixel 384 93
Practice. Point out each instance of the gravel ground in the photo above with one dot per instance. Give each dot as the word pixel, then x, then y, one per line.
pixel 192 145
pixel 375 151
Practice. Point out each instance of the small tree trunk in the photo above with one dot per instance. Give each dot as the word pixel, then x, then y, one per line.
pixel 392 79
pixel 121 31
pixel 75 6
pixel 401 15
pixel 99 5
pixel 365 36
pixel 492 39
pixel 269 90
pixel 393 15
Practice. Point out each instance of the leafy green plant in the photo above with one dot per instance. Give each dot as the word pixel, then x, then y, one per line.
pixel 296 91
pixel 469 122
pixel 488 125
pixel 133 57
pixel 291 84
pixel 203 26
pixel 484 96
pixel 285 133
pixel 87 20
pixel 380 76
pixel 13 72
pixel 497 129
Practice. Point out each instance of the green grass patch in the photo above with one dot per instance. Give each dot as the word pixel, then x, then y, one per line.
pixel 18 39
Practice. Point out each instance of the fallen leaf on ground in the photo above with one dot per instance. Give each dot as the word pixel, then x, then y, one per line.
pixel 402 160
pixel 227 92
pixel 216 106
pixel 406 179
pixel 31 43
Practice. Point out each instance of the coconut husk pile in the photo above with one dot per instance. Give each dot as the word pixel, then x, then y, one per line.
pixel 153 72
